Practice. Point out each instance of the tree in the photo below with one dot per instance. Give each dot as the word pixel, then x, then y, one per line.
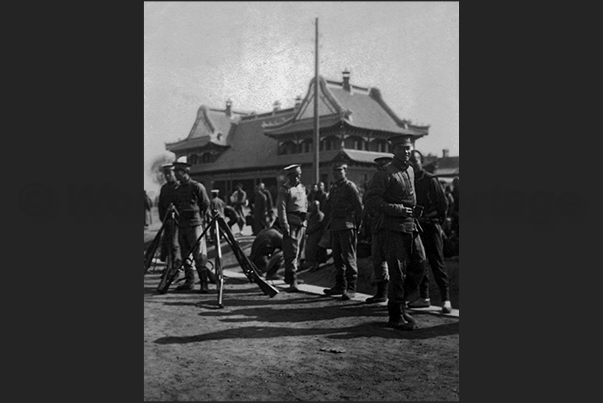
pixel 155 171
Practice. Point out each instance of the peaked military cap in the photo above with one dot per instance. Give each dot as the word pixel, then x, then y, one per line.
pixel 291 168
pixel 182 163
pixel 216 191
pixel 400 139
pixel 383 160
pixel 339 164
pixel 167 167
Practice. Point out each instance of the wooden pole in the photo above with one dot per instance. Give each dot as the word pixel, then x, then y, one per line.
pixel 316 142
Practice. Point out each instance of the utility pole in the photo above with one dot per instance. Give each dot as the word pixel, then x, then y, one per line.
pixel 316 142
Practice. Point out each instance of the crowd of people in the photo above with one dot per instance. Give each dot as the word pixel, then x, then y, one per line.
pixel 407 216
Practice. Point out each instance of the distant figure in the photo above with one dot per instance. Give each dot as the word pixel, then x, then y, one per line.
pixel 260 213
pixel 238 199
pixel 316 228
pixel 215 204
pixel 148 220
pixel 233 217
pixel 269 203
pixel 450 198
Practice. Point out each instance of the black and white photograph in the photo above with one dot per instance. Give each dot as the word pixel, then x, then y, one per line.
pixel 301 186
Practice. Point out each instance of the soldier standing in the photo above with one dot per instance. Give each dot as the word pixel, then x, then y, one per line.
pixel 192 203
pixel 292 207
pixel 166 197
pixel 344 209
pixel 391 193
pixel 431 196
pixel 371 222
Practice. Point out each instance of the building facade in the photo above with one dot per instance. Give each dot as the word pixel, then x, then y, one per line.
pixel 226 147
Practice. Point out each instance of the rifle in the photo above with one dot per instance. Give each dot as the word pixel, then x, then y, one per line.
pixel 248 267
pixel 152 249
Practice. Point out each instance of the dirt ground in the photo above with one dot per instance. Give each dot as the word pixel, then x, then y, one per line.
pixel 295 346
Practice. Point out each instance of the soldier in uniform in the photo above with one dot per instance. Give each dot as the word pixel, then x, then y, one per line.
pixel 166 197
pixel 431 196
pixel 370 223
pixel 215 204
pixel 391 193
pixel 266 252
pixel 292 207
pixel 192 203
pixel 344 212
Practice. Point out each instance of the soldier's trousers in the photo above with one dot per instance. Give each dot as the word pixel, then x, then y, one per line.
pixel 169 241
pixel 405 258
pixel 378 257
pixel 343 244
pixel 293 245
pixel 187 236
pixel 434 249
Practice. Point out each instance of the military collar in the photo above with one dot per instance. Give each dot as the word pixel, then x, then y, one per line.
pixel 400 164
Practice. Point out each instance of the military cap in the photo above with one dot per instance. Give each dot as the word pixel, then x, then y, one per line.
pixel 383 160
pixel 400 139
pixel 339 164
pixel 216 191
pixel 182 163
pixel 167 167
pixel 291 168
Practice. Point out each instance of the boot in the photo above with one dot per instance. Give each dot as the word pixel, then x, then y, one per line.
pixel 203 280
pixel 381 295
pixel 395 314
pixel 189 280
pixel 398 318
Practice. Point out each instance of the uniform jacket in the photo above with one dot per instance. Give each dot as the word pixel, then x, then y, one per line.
pixel 266 242
pixel 192 203
pixel 217 204
pixel 291 200
pixel 389 191
pixel 344 206
pixel 431 196
pixel 166 196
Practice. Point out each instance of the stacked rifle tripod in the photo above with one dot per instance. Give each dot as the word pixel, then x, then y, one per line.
pixel 220 227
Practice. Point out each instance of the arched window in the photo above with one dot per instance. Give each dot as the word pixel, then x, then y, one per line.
pixel 206 158
pixel 287 147
pixel 193 159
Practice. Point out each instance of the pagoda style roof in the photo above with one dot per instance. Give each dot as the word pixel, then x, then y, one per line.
pixel 212 126
pixel 355 106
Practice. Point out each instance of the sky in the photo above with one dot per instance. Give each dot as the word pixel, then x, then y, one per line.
pixel 258 52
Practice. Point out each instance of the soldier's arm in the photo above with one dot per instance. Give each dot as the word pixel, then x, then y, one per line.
pixel 202 199
pixel 356 203
pixel 281 210
pixel 375 198
pixel 440 199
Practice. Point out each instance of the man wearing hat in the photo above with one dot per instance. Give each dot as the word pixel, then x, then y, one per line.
pixel 215 204
pixel 192 203
pixel 391 193
pixel 371 220
pixel 166 197
pixel 344 212
pixel 431 196
pixel 292 207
